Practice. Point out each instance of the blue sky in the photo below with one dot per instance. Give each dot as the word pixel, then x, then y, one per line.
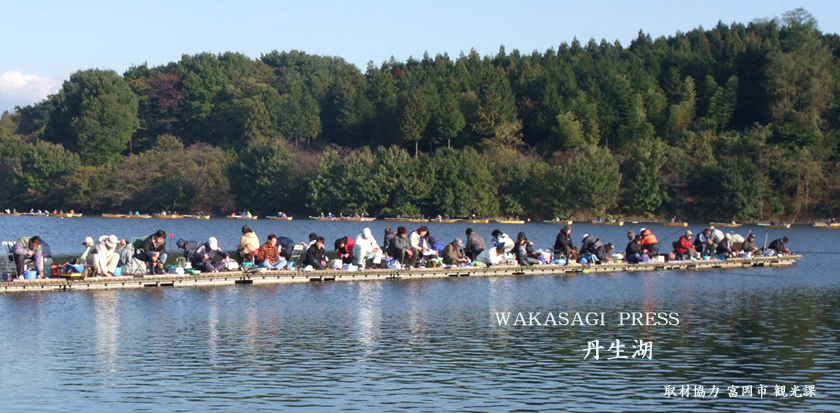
pixel 45 41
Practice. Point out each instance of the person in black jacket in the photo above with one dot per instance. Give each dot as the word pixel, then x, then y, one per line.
pixel 316 256
pixel 153 251
pixel 475 244
pixel 522 247
pixel 634 253
pixel 594 246
pixel 563 244
pixel 779 246
pixel 287 247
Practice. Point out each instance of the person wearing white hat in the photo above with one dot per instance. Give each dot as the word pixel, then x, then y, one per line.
pixel 88 243
pixel 204 258
pixel 366 247
pixel 104 257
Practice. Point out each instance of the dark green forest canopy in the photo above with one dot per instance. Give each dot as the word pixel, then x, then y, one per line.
pixel 736 122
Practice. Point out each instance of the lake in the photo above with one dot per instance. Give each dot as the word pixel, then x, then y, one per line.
pixel 426 344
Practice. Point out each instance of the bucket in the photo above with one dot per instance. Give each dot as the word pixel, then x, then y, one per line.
pixel 118 271
pixel 79 268
pixel 30 275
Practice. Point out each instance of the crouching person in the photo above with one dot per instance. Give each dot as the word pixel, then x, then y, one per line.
pixel 316 256
pixel 204 259
pixel 268 256
pixel 28 248
pixel 104 257
pixel 366 247
pixel 153 252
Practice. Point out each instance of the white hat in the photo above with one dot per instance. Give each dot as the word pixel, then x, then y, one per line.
pixel 213 243
pixel 88 241
pixel 366 234
pixel 111 241
pixel 728 236
pixel 642 230
pixel 584 236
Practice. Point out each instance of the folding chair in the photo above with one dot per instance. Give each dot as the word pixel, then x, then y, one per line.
pixel 297 254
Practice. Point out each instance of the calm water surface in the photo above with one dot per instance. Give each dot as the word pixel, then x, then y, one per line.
pixel 424 344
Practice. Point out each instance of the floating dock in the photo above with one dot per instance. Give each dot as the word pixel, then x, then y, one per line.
pixel 297 276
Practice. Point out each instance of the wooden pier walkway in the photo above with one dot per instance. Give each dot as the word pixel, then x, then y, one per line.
pixel 280 277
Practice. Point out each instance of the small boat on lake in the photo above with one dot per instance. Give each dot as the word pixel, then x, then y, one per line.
pixel 279 218
pixel 559 222
pixel 358 219
pixel 773 225
pixel 476 221
pixel 509 221
pixel 446 220
pixel 675 224
pixel 732 224
pixel 241 217
pixel 67 215
pixel 400 219
pixel 197 216
pixel 168 216
pixel 619 223
pixel 324 218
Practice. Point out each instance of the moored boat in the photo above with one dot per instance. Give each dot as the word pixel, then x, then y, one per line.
pixel 619 223
pixel 509 221
pixel 732 224
pixel 409 219
pixel 772 225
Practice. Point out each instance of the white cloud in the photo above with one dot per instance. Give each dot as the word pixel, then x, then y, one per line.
pixel 18 88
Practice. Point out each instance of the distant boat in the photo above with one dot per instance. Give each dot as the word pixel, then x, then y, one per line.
pixel 324 218
pixel 509 221
pixel 35 214
pixel 125 216
pixel 476 221
pixel 619 223
pixel 725 224
pixel 67 215
pixel 769 225
pixel 279 218
pixel 446 220
pixel 9 214
pixel 241 217
pixel 358 219
pixel 675 224
pixel 558 222
pixel 168 216
pixel 197 216
pixel 407 219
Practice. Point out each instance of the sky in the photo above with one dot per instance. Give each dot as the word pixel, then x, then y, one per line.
pixel 45 41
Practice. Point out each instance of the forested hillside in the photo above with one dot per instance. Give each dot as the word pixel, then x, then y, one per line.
pixel 737 122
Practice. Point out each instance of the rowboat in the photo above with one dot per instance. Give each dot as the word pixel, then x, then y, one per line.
pixel 725 224
pixel 125 216
pixel 408 219
pixel 358 219
pixel 476 221
pixel 509 221
pixel 67 215
pixel 241 217
pixel 279 218
pixel 197 216
pixel 769 225
pixel 675 224
pixel 138 216
pixel 168 216
pixel 10 214
pixel 834 225
pixel 34 214
pixel 324 218
pixel 569 222
pixel 444 220
pixel 619 223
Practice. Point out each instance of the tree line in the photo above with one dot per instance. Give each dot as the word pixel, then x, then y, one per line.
pixel 736 122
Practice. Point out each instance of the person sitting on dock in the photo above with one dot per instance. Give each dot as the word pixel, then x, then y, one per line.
pixel 204 259
pixel 189 247
pixel 25 249
pixel 779 246
pixel 594 250
pixel 706 242
pixel 248 244
pixel 563 244
pixel 287 248
pixel 344 247
pixel 88 243
pixel 635 253
pixel 748 246
pixel 475 244
pixel 500 238
pixel 683 248
pixel 268 256
pixel 387 240
pixel 452 254
pixel 401 248
pixel 367 247
pixel 649 242
pixel 153 252
pixel 492 256
pixel 104 258
pixel 418 240
pixel 724 248
pixel 316 256
pixel 524 250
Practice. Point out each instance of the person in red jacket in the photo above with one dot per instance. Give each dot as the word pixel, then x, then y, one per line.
pixel 683 248
pixel 344 246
